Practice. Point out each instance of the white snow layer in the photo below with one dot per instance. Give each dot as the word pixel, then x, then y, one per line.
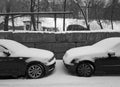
pixel 49 22
pixel 19 50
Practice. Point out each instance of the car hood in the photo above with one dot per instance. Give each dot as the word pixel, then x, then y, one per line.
pixel 84 51
pixel 34 53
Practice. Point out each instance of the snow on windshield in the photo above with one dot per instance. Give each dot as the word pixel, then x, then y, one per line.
pixel 12 45
pixel 107 43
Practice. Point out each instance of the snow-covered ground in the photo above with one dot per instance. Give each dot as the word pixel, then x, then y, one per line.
pixel 61 78
pixel 49 22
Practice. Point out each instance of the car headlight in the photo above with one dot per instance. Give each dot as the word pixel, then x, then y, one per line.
pixel 51 59
pixel 74 61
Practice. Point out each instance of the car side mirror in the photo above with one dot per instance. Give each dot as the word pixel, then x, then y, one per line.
pixel 7 53
pixel 111 54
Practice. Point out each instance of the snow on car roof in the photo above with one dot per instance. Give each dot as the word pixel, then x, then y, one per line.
pixel 12 45
pixel 108 43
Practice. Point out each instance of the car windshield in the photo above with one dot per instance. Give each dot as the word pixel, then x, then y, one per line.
pixel 107 43
pixel 12 45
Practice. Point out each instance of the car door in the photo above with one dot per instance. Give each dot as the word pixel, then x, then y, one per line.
pixel 10 65
pixel 110 63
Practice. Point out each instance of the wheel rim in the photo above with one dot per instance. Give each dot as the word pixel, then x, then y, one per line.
pixel 35 71
pixel 84 70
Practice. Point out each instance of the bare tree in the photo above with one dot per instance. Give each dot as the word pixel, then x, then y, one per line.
pixel 7 16
pixel 112 5
pixel 85 3
pixel 97 5
pixel 33 21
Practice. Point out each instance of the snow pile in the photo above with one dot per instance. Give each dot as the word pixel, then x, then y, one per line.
pixel 1 19
pixel 106 25
pixel 17 21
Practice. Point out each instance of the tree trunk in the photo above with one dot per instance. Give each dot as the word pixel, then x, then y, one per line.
pixel 13 25
pixel 7 16
pixel 64 15
pixel 97 17
pixel 111 18
pixel 85 18
pixel 6 23
pixel 112 12
pixel 100 24
pixel 33 21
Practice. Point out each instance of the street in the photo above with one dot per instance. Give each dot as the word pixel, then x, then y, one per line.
pixel 61 78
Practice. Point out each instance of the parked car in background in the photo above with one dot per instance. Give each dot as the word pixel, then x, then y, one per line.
pixel 18 60
pixel 76 27
pixel 103 56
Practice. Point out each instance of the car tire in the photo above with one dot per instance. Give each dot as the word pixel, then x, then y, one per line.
pixel 85 69
pixel 35 71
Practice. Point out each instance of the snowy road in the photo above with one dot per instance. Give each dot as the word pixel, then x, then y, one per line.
pixel 60 78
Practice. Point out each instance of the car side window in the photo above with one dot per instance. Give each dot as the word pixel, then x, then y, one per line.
pixel 2 49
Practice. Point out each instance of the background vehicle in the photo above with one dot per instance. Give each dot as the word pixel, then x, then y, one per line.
pixel 17 59
pixel 103 56
pixel 76 27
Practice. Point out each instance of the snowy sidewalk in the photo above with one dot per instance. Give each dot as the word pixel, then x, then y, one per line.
pixel 61 78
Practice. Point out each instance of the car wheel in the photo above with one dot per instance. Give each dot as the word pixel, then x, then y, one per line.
pixel 35 71
pixel 85 69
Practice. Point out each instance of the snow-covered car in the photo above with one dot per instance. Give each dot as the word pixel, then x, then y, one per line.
pixel 19 60
pixel 101 57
